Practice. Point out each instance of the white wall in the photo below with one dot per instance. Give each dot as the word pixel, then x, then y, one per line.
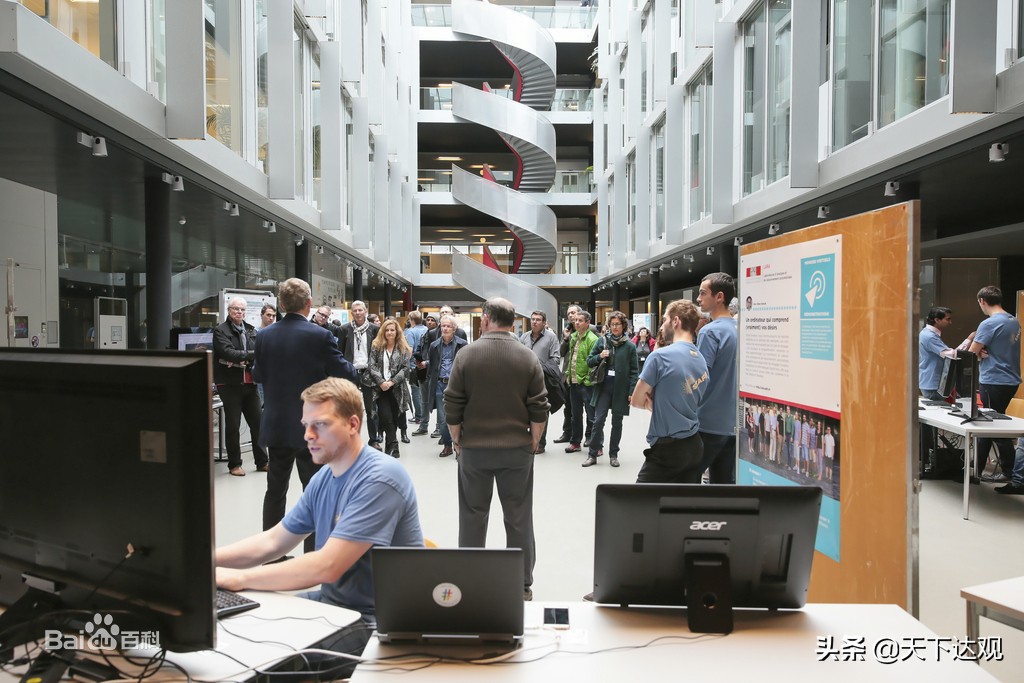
pixel 28 236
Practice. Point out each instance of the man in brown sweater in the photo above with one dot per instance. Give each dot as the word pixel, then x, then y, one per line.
pixel 480 417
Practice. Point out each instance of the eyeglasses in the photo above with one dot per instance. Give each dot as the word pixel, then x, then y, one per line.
pixel 236 308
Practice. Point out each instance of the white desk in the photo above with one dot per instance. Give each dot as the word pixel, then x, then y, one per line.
pixel 281 625
pixel 765 646
pixel 971 431
pixel 1001 601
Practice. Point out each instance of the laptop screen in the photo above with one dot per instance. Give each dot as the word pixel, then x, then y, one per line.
pixel 449 595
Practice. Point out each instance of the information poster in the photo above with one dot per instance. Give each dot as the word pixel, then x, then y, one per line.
pixel 327 292
pixel 790 373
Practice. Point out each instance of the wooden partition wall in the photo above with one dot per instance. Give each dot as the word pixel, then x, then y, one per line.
pixel 878 508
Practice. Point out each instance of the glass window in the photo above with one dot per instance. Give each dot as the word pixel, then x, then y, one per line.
pixel 645 37
pixel 93 25
pixel 754 54
pixel 314 115
pixel 659 180
pixel 262 139
pixel 780 25
pixel 699 93
pixel 299 103
pixel 224 113
pixel 346 170
pixel 852 32
pixel 157 45
pixel 913 56
pixel 631 188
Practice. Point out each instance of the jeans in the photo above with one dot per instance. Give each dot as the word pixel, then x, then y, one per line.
pixel 424 391
pixel 512 470
pixel 928 433
pixel 442 420
pixel 1018 464
pixel 417 402
pixel 672 461
pixel 997 397
pixel 372 432
pixel 580 396
pixel 604 404
pixel 719 457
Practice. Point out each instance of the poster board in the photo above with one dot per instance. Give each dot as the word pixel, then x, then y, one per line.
pixel 852 369
pixel 254 300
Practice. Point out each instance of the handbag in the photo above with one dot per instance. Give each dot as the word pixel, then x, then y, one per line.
pixel 599 371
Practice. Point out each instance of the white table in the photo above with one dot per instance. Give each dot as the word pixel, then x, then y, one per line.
pixel 971 431
pixel 262 637
pixel 1001 601
pixel 765 646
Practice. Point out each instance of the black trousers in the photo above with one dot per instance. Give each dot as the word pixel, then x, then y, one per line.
pixel 388 414
pixel 278 478
pixel 239 400
pixel 719 457
pixel 673 461
pixel 372 431
pixel 997 397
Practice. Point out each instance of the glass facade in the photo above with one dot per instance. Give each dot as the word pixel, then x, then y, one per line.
pixel 913 56
pixel 658 178
pixel 631 215
pixel 298 102
pixel 262 137
pixel 224 110
pixel 754 58
pixel 699 94
pixel 93 25
pixel 852 38
pixel 780 69
pixel 156 41
pixel 314 116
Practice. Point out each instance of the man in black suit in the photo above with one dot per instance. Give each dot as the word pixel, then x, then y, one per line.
pixel 291 355
pixel 234 341
pixel 354 342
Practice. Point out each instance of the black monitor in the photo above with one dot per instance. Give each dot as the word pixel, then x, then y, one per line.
pixel 947 380
pixel 707 548
pixel 106 494
pixel 960 379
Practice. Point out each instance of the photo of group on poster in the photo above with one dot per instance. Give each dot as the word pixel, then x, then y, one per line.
pixel 793 442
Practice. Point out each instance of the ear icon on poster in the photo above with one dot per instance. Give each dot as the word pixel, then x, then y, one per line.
pixel 817 289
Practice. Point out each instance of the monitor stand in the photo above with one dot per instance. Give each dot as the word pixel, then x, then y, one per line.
pixel 24 621
pixel 708 593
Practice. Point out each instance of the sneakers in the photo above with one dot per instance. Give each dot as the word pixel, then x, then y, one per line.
pixel 421 430
pixel 589 462
pixel 995 477
pixel 1011 489
pixel 564 438
pixel 435 434
pixel 573 448
pixel 614 462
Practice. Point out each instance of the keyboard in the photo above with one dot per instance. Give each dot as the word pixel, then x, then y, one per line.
pixel 233 603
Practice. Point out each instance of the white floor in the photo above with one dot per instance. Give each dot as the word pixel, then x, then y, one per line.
pixel 953 552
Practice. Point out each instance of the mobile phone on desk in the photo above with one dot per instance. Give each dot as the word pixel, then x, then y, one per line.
pixel 556 617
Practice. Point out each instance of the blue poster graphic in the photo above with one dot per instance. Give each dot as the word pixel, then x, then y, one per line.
pixel 817 307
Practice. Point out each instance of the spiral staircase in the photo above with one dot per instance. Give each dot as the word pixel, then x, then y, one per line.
pixel 526 131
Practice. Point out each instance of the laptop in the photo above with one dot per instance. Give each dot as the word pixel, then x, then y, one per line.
pixel 448 595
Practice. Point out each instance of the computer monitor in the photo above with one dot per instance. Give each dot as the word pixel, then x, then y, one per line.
pixel 947 380
pixel 706 548
pixel 967 384
pixel 106 494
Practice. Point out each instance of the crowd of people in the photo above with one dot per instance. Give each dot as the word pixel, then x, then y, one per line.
pixel 324 384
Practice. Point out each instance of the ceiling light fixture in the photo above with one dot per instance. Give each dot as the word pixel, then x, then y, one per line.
pixel 773 228
pixel 99 147
pixel 737 241
pixel 891 188
pixel 998 151
pixel 688 258
pixel 823 211
pixel 174 181
pixel 233 211
pixel 449 158
pixel 710 251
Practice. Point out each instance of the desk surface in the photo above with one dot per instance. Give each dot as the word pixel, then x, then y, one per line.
pixel 1006 596
pixel 941 417
pixel 281 625
pixel 765 646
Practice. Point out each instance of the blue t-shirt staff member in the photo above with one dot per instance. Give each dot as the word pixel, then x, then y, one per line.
pixel 360 499
pixel 674 379
pixel 716 341
pixel 932 350
pixel 997 343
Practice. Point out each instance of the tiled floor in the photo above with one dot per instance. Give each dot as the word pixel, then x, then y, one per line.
pixel 953 552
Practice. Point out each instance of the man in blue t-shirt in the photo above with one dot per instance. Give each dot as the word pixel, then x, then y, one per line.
pixel 931 351
pixel 997 343
pixel 716 341
pixel 359 500
pixel 671 385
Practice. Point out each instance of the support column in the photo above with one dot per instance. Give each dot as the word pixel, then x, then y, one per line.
pixel 593 307
pixel 655 299
pixel 357 284
pixel 387 300
pixel 728 259
pixel 304 262
pixel 616 296
pixel 158 264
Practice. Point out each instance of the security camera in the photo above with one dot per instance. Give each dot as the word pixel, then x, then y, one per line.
pixel 182 220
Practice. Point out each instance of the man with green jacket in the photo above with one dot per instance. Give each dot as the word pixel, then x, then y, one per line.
pixel 577 377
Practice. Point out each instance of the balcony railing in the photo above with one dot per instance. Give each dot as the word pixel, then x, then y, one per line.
pixel 438 258
pixel 566 99
pixel 433 180
pixel 548 17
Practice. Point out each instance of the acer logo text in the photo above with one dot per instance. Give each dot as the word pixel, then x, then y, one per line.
pixel 707 526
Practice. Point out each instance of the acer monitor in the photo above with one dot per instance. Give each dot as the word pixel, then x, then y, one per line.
pixel 106 495
pixel 705 548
